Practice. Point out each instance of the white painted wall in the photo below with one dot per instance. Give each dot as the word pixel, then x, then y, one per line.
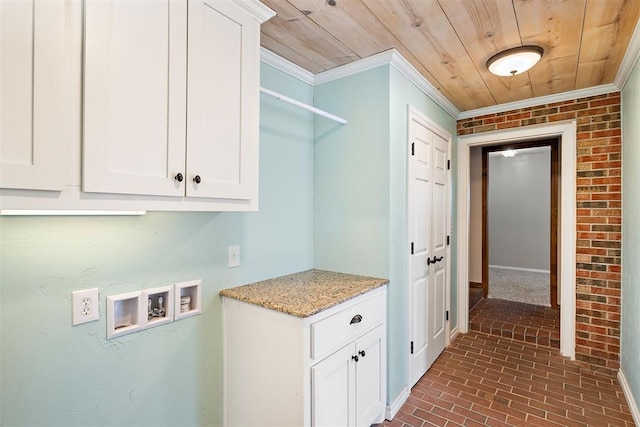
pixel 630 316
pixel 475 215
pixel 519 206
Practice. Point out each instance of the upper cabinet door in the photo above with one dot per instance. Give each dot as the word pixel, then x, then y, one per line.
pixel 223 100
pixel 33 144
pixel 135 97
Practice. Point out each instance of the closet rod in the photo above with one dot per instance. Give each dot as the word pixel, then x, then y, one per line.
pixel 304 106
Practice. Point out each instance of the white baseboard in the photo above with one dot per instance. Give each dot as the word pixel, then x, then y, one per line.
pixel 392 410
pixel 633 405
pixel 454 333
pixel 505 267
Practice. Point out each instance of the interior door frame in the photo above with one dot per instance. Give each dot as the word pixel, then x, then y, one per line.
pixel 566 132
pixel 553 214
pixel 413 114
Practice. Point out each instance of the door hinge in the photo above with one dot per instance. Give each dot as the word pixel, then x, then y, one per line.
pixel 413 148
pixel 411 248
pixel 448 241
pixel 448 164
pixel 411 347
pixel 447 315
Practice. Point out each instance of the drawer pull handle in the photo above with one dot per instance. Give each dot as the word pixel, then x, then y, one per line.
pixel 361 353
pixel 355 357
pixel 356 319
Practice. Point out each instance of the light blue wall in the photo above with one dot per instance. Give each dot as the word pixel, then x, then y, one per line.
pixel 630 321
pixel 360 190
pixel 402 93
pixel 56 374
pixel 351 175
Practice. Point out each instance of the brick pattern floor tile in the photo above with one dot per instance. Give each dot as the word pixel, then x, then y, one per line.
pixel 523 322
pixel 487 380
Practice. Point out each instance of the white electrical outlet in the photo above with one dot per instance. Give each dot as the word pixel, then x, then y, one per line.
pixel 233 256
pixel 85 306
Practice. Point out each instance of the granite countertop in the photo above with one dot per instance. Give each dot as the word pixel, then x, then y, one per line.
pixel 306 293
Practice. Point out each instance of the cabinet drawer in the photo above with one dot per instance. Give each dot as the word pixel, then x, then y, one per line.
pixel 345 326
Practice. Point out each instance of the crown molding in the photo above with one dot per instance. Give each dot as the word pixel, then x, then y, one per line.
pixel 541 100
pixel 406 69
pixel 629 60
pixel 395 59
pixel 287 67
pixel 364 64
pixel 260 12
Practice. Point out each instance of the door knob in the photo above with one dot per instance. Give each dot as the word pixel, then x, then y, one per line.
pixel 178 177
pixel 197 179
pixel 434 260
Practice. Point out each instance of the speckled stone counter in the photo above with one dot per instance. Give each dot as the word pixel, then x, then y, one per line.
pixel 304 294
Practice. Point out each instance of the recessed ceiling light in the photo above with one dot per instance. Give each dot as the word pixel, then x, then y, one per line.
pixel 508 153
pixel 514 61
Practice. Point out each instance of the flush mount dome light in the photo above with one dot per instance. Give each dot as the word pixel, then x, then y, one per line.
pixel 514 61
pixel 509 153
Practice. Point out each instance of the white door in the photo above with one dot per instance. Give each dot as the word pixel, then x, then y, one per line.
pixel 370 393
pixel 223 91
pixel 33 139
pixel 333 390
pixel 428 200
pixel 135 97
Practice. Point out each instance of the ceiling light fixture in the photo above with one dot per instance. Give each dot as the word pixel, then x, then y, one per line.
pixel 514 61
pixel 508 153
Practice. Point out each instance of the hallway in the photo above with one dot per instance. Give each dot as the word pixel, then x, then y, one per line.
pixel 523 322
pixel 486 380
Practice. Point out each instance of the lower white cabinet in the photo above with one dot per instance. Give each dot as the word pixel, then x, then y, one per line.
pixel 328 369
pixel 346 386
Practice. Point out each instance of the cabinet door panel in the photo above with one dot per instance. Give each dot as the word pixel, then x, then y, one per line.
pixel 370 398
pixel 222 146
pixel 33 150
pixel 332 384
pixel 135 96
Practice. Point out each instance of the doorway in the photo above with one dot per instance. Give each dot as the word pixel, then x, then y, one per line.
pixel 524 226
pixel 566 133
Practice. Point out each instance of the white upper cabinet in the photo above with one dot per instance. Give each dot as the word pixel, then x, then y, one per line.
pixel 33 148
pixel 172 98
pixel 223 100
pixel 135 96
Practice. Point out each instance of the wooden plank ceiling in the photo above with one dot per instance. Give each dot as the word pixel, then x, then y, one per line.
pixel 450 41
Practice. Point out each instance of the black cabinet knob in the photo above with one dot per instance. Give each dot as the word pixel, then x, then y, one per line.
pixel 197 179
pixel 355 357
pixel 178 177
pixel 361 352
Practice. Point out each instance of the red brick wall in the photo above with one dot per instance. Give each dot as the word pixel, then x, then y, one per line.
pixel 598 213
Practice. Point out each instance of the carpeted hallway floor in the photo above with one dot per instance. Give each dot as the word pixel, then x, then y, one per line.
pixel 518 285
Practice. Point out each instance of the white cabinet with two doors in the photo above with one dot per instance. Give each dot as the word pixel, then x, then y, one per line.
pixel 170 103
pixel 328 369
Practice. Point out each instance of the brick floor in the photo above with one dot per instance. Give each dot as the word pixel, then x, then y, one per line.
pixel 524 322
pixel 486 380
